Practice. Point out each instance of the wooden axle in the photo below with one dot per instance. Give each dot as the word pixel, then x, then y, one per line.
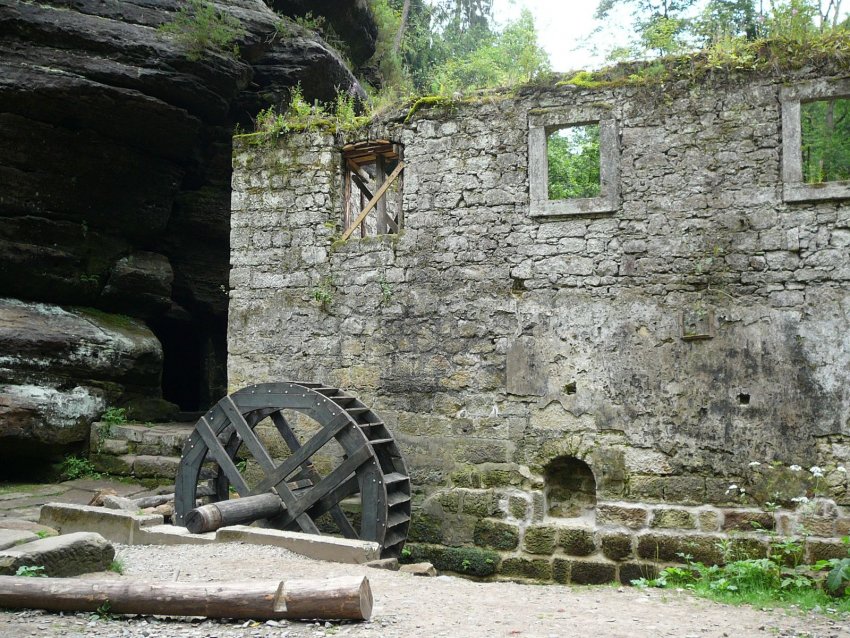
pixel 346 598
pixel 237 511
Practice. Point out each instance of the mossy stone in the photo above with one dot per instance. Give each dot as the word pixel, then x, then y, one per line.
pixel 561 570
pixel 501 478
pixel 496 535
pixel 673 519
pixel 425 528
pixel 535 568
pixel 635 571
pixel 592 573
pixel 471 561
pixel 577 542
pixel 616 546
pixel 674 548
pixel 540 540
pixel 450 501
pixel 480 504
pixel 709 521
pixel 518 507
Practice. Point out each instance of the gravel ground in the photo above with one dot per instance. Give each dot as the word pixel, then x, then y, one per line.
pixel 409 606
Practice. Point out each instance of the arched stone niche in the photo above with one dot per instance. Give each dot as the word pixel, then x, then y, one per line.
pixel 570 487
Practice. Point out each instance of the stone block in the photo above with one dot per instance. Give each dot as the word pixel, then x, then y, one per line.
pixel 114 525
pixel 630 572
pixel 592 572
pixel 496 535
pixel 499 477
pixel 561 570
pixel 156 466
pixel 538 507
pixel 577 541
pixel 684 489
pixel 616 546
pixel 471 561
pixel 338 550
pixel 748 521
pixel 11 537
pixel 450 501
pixel 709 521
pixel 672 519
pixel 114 447
pixel 824 550
pixel 425 528
pixel 518 507
pixel 115 465
pixel 631 517
pixel 745 548
pixel 419 569
pixel 649 488
pixel 540 540
pixel 534 568
pixel 842 526
pixel 112 502
pixel 66 555
pixel 673 547
pixel 389 564
pixel 171 535
pixel 823 526
pixel 480 504
pixel 38 529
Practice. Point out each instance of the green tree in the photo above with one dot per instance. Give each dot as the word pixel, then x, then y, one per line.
pixel 659 25
pixel 825 141
pixel 573 157
pixel 508 57
pixel 724 19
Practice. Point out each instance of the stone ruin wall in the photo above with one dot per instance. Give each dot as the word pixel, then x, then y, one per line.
pixel 539 373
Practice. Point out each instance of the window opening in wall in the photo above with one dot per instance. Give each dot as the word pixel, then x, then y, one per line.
pixel 825 140
pixel 373 189
pixel 572 154
pixel 570 487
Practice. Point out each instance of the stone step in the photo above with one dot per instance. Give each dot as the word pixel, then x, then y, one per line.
pixel 141 466
pixel 159 439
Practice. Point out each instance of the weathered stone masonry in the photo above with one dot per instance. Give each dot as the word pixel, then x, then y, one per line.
pixel 543 375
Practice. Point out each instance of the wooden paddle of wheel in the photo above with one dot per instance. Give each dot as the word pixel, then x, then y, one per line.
pixel 365 460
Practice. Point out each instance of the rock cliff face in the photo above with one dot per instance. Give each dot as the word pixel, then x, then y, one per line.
pixel 115 171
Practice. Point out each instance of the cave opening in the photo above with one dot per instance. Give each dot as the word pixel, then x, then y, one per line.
pixel 182 364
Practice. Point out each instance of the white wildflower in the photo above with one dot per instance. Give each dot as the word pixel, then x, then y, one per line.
pixel 794 468
pixel 816 471
pixel 731 488
pixel 841 469
pixel 754 463
pixel 800 499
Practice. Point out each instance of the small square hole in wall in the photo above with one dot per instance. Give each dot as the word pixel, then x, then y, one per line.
pixel 743 398
pixel 696 323
pixel 572 154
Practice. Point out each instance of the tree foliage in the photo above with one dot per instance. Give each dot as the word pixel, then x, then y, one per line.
pixel 825 140
pixel 573 157
pixel 454 45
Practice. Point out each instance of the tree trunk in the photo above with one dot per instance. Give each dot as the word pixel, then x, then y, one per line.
pixel 346 598
pixel 405 12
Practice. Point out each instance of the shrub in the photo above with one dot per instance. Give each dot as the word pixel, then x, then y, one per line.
pixel 202 28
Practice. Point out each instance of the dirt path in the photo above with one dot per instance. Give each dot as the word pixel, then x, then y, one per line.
pixel 415 607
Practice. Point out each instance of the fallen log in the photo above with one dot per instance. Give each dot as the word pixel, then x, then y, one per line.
pixel 346 598
pixel 237 511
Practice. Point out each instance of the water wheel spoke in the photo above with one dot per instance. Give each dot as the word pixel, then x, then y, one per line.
pixel 246 433
pixel 327 484
pixel 221 456
pixel 309 471
pixel 279 474
pixel 331 500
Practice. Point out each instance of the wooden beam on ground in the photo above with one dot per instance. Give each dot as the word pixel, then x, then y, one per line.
pixel 237 511
pixel 346 598
pixel 374 200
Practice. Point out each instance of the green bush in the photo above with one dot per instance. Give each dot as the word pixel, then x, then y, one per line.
pixel 202 28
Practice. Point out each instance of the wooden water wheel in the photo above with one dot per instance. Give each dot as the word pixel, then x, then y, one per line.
pixel 340 459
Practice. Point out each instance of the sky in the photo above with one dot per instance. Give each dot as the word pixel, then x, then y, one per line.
pixel 564 26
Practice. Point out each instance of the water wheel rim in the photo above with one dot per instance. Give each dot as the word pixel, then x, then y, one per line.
pixel 371 455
